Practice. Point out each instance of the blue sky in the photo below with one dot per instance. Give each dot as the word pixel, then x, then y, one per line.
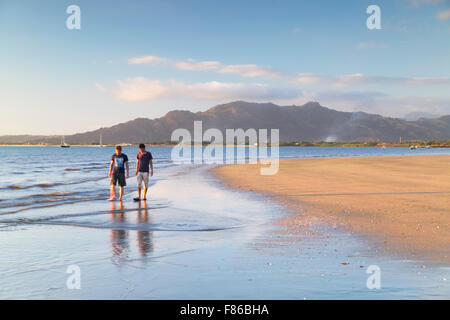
pixel 144 58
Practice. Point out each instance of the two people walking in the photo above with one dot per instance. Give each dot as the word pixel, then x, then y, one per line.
pixel 118 165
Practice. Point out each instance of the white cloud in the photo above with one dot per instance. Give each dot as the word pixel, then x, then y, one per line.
pixel 443 15
pixel 198 66
pixel 138 89
pixel 308 78
pixel 153 60
pixel 222 90
pixel 256 71
pixel 358 79
pixel 425 80
pixel 243 70
pixel 354 79
pixel 100 87
pixel 141 89
pixel 251 71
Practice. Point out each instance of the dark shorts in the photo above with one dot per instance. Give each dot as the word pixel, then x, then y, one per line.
pixel 118 178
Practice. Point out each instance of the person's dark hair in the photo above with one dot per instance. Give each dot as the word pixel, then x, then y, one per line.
pixel 141 146
pixel 119 148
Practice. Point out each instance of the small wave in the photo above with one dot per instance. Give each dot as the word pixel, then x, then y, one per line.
pixel 134 227
pixel 51 194
pixel 51 184
pixel 46 185
pixel 77 215
pixel 29 200
pixel 72 169
pixel 94 167
pixel 13 186
pixel 49 203
pixel 53 199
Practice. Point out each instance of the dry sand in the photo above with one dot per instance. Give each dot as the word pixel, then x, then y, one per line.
pixel 402 203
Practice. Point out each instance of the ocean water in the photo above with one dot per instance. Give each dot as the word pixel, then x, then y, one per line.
pixel 193 238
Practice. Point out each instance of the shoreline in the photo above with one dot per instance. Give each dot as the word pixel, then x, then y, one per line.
pixel 399 202
pixel 84 145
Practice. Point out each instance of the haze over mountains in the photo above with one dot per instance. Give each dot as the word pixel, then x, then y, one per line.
pixel 310 122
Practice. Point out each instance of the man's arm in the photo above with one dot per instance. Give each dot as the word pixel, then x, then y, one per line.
pixel 151 168
pixel 137 166
pixel 110 168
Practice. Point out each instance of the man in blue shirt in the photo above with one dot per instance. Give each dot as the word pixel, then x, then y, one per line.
pixel 144 161
pixel 119 161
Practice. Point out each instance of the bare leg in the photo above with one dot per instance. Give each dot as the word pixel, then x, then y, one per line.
pixel 145 193
pixel 139 192
pixel 121 193
pixel 112 192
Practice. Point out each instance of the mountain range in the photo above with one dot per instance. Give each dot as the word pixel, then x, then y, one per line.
pixel 309 122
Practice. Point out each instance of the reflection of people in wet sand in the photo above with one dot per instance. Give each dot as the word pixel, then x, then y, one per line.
pixel 119 238
pixel 144 238
pixel 119 161
pixel 144 168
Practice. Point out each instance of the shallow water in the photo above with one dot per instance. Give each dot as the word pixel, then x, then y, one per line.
pixel 193 238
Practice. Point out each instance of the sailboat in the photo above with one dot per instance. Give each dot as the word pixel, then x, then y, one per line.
pixel 63 143
pixel 101 141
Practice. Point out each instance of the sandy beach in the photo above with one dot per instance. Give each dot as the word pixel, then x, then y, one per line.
pixel 401 202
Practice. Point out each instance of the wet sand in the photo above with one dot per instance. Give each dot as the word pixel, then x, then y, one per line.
pixel 401 203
